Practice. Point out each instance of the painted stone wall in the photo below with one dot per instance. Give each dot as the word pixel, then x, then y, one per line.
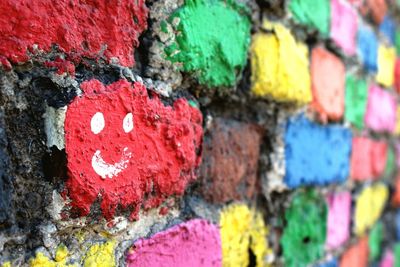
pixel 199 133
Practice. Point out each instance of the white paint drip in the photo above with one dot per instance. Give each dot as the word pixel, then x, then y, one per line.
pixel 105 169
pixel 97 123
pixel 128 123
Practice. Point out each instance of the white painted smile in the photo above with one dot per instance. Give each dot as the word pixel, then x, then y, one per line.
pixel 105 169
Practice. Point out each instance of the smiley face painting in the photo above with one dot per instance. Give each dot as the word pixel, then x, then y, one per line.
pixel 128 149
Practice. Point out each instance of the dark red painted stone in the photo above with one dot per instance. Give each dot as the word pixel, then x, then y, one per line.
pixel 79 28
pixel 129 162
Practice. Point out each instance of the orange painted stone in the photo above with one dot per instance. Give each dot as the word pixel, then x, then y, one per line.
pixel 396 194
pixel 328 83
pixel 356 255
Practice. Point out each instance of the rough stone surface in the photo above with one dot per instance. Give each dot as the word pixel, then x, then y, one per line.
pixel 92 29
pixel 235 146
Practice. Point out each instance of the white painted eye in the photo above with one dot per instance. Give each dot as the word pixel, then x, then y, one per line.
pixel 97 123
pixel 128 123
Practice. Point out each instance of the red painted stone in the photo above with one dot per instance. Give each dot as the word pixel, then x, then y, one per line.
pixel 62 66
pixel 368 158
pixel 130 149
pixel 79 28
pixel 328 82
pixel 397 75
pixel 396 194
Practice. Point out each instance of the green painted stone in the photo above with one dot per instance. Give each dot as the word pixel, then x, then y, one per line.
pixel 390 162
pixel 397 255
pixel 211 40
pixel 315 14
pixel 374 241
pixel 304 236
pixel 397 42
pixel 356 97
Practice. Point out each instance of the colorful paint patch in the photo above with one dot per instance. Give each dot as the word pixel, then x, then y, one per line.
pixel 310 159
pixel 129 148
pixel 100 255
pixel 243 230
pixel 397 75
pixel 100 27
pixel 397 255
pixel 230 160
pixel 369 206
pixel 368 158
pixel 317 17
pixel 304 236
pixel 344 25
pixel 280 66
pixel 388 29
pixel 375 239
pixel 214 58
pixel 194 243
pixel 381 110
pixel 61 259
pixel 356 255
pixel 396 193
pixel 328 83
pixel 386 64
pixel 387 259
pixel 367 48
pixel 339 216
pixel 355 100
pixel 331 263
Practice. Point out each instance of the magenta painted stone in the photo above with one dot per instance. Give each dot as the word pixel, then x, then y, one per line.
pixel 387 259
pixel 381 110
pixel 339 214
pixel 344 25
pixel 193 243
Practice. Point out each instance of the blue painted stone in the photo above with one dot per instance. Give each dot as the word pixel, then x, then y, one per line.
pixel 367 48
pixel 331 263
pixel 398 224
pixel 316 154
pixel 388 29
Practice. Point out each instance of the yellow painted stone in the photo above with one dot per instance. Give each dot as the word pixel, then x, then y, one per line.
pixel 100 255
pixel 6 264
pixel 369 206
pixel 280 66
pixel 61 258
pixel 386 62
pixel 241 229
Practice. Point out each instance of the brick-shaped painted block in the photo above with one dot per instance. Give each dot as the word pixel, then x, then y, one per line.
pixel 339 217
pixel 280 66
pixel 375 239
pixel 344 25
pixel 317 17
pixel 369 206
pixel 356 97
pixel 304 235
pixel 328 84
pixel 386 65
pixel 80 29
pixel 315 154
pixel 367 48
pixel 194 243
pixel 129 148
pixel 388 29
pixel 356 255
pixel 199 47
pixel 230 160
pixel 368 158
pixel 243 230
pixel 381 110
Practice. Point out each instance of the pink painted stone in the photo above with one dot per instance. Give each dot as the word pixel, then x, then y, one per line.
pixel 381 110
pixel 339 209
pixel 387 259
pixel 344 26
pixel 194 243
